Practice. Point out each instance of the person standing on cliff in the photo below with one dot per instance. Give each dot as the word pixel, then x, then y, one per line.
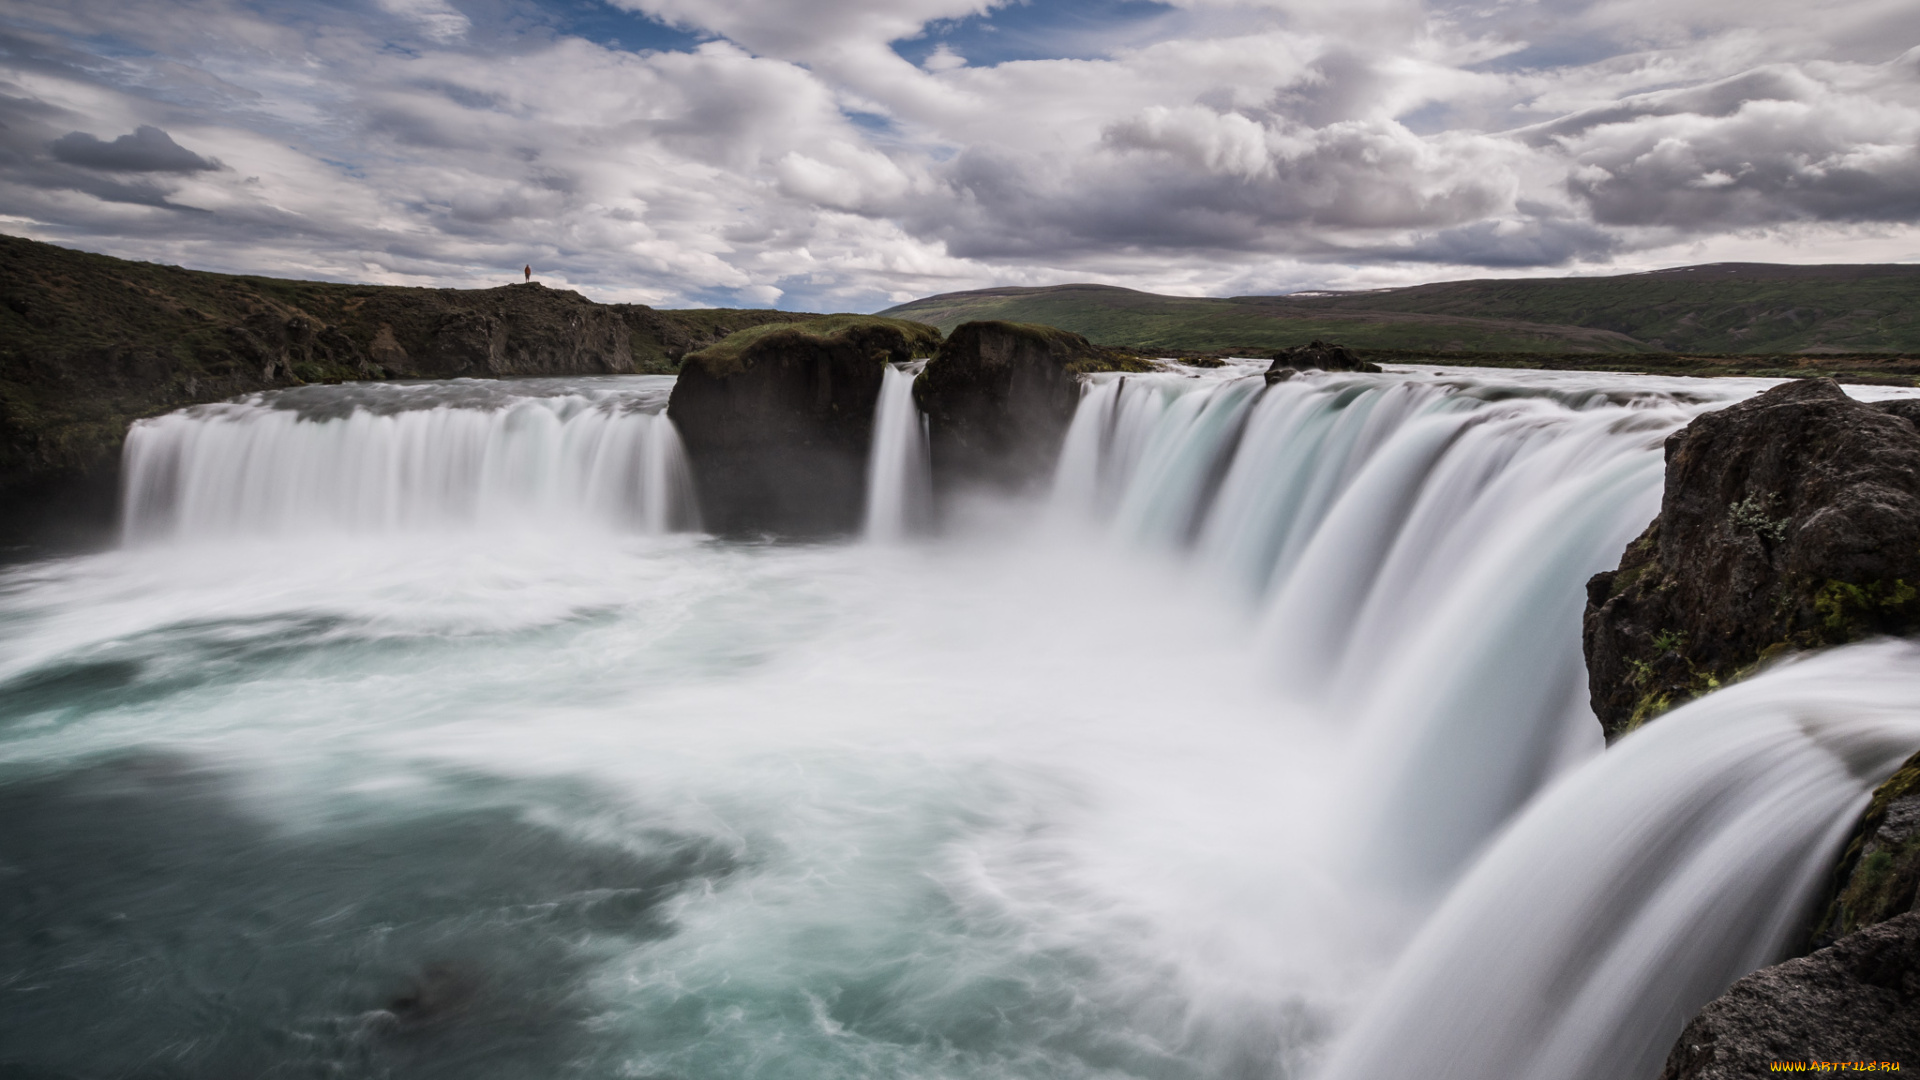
pixel 528 270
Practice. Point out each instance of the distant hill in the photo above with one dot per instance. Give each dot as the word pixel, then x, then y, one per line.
pixel 1724 308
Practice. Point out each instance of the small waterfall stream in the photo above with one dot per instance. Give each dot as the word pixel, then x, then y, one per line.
pixel 899 480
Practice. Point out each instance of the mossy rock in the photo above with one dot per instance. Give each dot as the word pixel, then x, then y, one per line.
pixel 1880 871
pixel 900 339
pixel 1789 521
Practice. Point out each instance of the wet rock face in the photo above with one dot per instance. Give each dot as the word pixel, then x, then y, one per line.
pixel 1857 1000
pixel 1880 870
pixel 998 399
pixel 1789 521
pixel 777 422
pixel 1319 354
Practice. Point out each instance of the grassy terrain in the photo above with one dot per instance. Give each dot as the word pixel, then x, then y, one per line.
pixel 729 353
pixel 1727 308
pixel 1123 318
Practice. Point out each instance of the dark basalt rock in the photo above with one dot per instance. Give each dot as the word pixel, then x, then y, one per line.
pixel 1879 872
pixel 778 420
pixel 1318 354
pixel 1789 521
pixel 999 397
pixel 1857 1000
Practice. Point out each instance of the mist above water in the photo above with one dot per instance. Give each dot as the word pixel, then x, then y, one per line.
pixel 413 732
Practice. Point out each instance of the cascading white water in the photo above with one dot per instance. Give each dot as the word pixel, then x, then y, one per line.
pixel 1005 803
pixel 1419 549
pixel 1634 891
pixel 544 453
pixel 899 481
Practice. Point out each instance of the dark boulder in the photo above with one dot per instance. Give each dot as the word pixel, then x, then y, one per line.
pixel 1318 354
pixel 777 420
pixel 1857 1000
pixel 999 397
pixel 1789 521
pixel 1880 870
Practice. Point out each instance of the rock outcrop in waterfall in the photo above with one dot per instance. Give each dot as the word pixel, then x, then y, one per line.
pixel 999 397
pixel 1788 521
pixel 1318 354
pixel 778 420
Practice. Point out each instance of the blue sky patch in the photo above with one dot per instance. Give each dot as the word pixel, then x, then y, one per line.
pixel 1065 30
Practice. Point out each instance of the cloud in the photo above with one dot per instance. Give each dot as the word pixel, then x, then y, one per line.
pixel 438 19
pixel 782 149
pixel 1776 145
pixel 148 150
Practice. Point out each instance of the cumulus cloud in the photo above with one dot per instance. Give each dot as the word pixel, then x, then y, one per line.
pixel 788 151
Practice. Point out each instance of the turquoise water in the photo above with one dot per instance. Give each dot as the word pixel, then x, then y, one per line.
pixel 625 806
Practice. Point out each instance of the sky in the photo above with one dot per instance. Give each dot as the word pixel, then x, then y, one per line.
pixel 851 154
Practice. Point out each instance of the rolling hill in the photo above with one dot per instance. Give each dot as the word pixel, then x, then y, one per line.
pixel 1725 308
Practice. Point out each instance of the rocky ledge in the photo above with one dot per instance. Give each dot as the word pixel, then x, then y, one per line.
pixel 1789 521
pixel 1857 1000
pixel 999 397
pixel 778 420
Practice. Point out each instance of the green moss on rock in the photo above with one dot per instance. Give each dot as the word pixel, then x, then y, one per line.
pixel 731 355
pixel 1879 872
pixel 1789 521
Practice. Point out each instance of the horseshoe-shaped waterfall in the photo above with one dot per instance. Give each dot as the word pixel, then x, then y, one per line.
pixel 418 730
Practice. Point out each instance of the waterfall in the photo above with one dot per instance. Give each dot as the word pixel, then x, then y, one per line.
pixel 1375 519
pixel 1266 752
pixel 899 482
pixel 1636 890
pixel 583 453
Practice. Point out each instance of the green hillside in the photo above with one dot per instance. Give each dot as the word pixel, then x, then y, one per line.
pixel 1749 308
